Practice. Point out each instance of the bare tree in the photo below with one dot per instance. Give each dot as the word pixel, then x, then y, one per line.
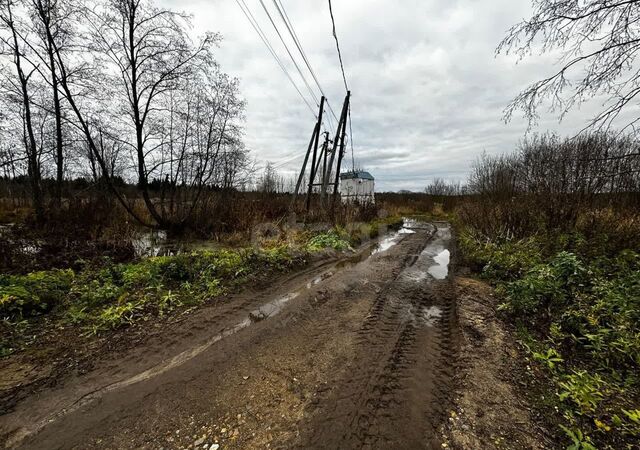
pixel 597 42
pixel 51 20
pixel 150 50
pixel 24 72
pixel 168 105
pixel 117 88
pixel 441 187
pixel 558 177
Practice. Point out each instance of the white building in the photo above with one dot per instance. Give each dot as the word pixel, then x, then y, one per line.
pixel 357 187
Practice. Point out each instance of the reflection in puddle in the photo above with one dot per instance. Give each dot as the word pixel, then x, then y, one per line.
pixel 319 278
pixel 408 227
pixel 272 308
pixel 434 259
pixel 158 243
pixel 426 316
pixel 388 242
pixel 440 269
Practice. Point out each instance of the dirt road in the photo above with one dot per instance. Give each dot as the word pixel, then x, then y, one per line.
pixel 354 354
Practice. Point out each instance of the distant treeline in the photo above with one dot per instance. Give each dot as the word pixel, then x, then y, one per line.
pixel 550 182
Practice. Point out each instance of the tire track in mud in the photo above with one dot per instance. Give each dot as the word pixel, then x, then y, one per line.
pixel 398 384
pixel 244 305
pixel 358 360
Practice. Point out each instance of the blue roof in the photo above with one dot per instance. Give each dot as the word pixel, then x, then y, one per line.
pixel 358 174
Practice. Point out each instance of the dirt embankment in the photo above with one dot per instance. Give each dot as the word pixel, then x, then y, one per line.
pixel 489 409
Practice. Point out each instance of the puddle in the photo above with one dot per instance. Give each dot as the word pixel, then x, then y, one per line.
pixel 426 316
pixel 158 243
pixel 433 261
pixel 325 275
pixel 388 242
pixel 274 307
pixel 409 226
pixel 415 224
pixel 440 269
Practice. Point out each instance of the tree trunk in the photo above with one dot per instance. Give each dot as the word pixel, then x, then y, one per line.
pixel 30 140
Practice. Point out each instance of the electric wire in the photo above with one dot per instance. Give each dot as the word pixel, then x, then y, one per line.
pixel 289 25
pixel 344 78
pixel 335 36
pixel 286 47
pixel 290 160
pixel 294 36
pixel 265 40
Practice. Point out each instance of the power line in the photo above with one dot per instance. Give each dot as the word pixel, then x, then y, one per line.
pixel 344 78
pixel 284 163
pixel 265 40
pixel 295 63
pixel 289 24
pixel 286 47
pixel 335 36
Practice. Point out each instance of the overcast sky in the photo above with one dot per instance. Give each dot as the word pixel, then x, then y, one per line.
pixel 427 90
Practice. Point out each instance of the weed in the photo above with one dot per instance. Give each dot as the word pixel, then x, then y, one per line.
pixel 549 358
pixel 579 439
pixel 583 389
pixel 331 239
pixel 26 295
pixel 115 316
pixel 570 295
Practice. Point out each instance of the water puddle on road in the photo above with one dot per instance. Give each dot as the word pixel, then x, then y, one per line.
pixel 440 269
pixel 409 226
pixel 426 316
pixel 434 259
pixel 274 307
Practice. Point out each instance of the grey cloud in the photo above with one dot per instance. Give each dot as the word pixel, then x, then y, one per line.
pixel 428 91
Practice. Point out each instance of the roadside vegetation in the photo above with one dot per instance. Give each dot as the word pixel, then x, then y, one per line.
pixel 564 254
pixel 102 296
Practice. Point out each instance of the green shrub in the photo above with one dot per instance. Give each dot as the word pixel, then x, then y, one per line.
pixel 331 239
pixel 545 287
pixel 27 295
pixel 583 389
pixel 500 260
pixel 572 296
pixel 115 316
pixel 95 293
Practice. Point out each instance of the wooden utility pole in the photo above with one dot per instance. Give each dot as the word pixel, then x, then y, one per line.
pixel 315 154
pixel 327 166
pixel 339 132
pixel 314 140
pixel 324 161
pixel 345 110
pixel 322 158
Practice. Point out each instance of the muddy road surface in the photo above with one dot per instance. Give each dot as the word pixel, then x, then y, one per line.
pixel 354 354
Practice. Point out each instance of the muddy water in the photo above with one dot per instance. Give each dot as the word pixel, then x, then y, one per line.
pixel 158 243
pixel 409 226
pixel 433 260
